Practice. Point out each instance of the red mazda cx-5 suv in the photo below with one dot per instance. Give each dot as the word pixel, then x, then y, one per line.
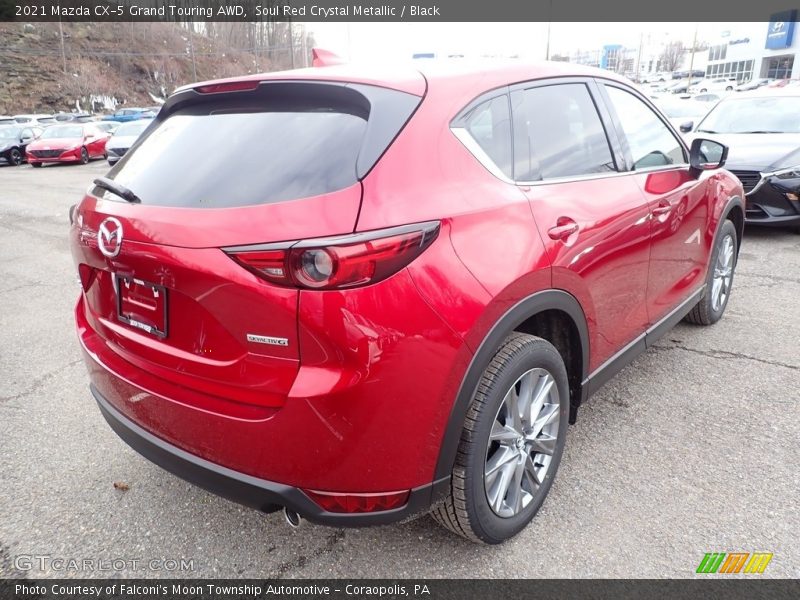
pixel 362 295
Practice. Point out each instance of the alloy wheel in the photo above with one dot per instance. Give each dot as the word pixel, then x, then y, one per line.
pixel 522 442
pixel 723 273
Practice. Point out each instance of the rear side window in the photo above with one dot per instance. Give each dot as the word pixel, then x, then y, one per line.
pixel 651 142
pixel 489 124
pixel 280 142
pixel 558 133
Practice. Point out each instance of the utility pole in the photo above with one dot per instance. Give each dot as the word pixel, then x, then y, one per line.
pixel 191 51
pixel 691 59
pixel 63 54
pixel 549 22
pixel 256 33
pixel 304 48
pixel 291 42
pixel 639 58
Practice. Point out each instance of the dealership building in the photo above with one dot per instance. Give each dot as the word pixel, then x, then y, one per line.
pixel 756 50
pixel 745 51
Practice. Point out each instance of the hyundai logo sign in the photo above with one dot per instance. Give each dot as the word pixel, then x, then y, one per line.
pixel 781 30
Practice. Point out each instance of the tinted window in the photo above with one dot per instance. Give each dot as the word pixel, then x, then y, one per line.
pixel 282 141
pixel 651 143
pixel 558 133
pixel 489 124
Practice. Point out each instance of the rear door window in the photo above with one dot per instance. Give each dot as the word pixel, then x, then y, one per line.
pixel 558 133
pixel 280 142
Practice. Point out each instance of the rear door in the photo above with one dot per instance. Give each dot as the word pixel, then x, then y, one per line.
pixel 275 163
pixel 591 215
pixel 679 202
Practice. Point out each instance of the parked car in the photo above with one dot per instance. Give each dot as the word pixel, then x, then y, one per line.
pixel 286 323
pixel 108 126
pixel 682 87
pixel 123 138
pixel 6 120
pixel 31 120
pixel 128 114
pixel 716 84
pixel 75 116
pixel 683 114
pixel 685 74
pixel 14 139
pixel 753 84
pixel 75 142
pixel 762 130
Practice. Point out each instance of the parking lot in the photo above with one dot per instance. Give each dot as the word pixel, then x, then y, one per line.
pixel 692 449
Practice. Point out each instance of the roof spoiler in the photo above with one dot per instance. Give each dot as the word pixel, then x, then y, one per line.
pixel 325 58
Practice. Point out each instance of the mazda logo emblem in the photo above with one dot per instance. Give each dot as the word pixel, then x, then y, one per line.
pixel 109 237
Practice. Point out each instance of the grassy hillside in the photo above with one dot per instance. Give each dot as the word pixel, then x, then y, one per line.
pixel 129 63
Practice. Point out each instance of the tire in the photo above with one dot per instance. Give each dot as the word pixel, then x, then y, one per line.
pixel 703 91
pixel 711 306
pixel 36 165
pixel 523 362
pixel 729 89
pixel 84 156
pixel 15 157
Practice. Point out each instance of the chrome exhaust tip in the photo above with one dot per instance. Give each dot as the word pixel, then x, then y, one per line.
pixel 292 518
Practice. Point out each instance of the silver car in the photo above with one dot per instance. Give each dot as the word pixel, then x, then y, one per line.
pixel 124 137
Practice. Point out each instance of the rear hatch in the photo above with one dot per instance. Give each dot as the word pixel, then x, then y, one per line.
pixel 233 164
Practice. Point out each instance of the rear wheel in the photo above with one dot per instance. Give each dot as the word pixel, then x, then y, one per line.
pixel 511 445
pixel 84 156
pixel 719 280
pixel 15 157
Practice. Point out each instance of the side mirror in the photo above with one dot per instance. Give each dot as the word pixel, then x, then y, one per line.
pixel 24 139
pixel 687 126
pixel 706 155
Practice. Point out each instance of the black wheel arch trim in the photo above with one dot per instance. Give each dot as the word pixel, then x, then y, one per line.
pixel 524 309
pixel 733 202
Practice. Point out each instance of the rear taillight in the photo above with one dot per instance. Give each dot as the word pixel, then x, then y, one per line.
pixel 358 503
pixel 338 262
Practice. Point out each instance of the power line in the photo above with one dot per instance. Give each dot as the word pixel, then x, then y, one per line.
pixel 72 53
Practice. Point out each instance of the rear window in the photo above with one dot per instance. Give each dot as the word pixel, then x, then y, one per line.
pixel 280 142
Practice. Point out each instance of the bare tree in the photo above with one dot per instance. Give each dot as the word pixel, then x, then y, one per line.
pixel 672 56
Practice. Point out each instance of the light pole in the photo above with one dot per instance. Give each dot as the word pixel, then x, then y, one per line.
pixel 691 60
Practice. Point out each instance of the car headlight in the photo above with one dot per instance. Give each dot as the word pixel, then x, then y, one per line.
pixel 789 173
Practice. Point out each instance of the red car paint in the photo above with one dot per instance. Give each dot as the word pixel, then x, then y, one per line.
pixel 362 398
pixel 67 149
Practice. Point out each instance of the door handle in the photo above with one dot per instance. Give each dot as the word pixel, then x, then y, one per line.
pixel 662 208
pixel 565 228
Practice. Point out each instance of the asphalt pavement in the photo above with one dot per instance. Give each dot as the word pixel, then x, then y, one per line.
pixel 692 449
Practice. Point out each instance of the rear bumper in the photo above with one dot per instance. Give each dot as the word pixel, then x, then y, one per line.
pixel 261 494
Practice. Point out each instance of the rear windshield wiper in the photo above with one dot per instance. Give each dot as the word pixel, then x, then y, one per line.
pixel 760 131
pixel 115 188
pixel 706 131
